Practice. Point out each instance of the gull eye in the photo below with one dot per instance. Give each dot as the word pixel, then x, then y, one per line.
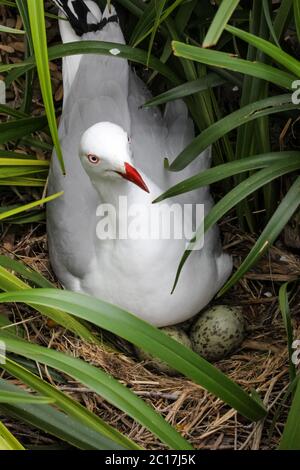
pixel 129 139
pixel 93 159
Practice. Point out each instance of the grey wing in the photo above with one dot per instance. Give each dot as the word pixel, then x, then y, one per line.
pixel 180 134
pixel 98 93
pixel 155 137
pixel 148 133
pixel 70 216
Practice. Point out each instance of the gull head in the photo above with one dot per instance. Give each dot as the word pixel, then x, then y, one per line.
pixel 105 153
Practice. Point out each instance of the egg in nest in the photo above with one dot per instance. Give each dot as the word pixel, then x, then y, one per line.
pixel 175 333
pixel 218 331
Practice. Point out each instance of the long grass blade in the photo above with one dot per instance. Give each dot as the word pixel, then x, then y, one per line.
pixel 189 88
pixel 291 435
pixel 103 384
pixel 296 6
pixel 55 422
pixel 38 31
pixel 10 282
pixel 29 79
pixel 252 111
pixel 231 62
pixel 238 194
pixel 283 298
pixel 159 6
pixel 219 22
pixel 275 52
pixel 7 440
pixel 147 337
pixel 11 398
pixel 14 129
pixel 267 13
pixel 275 225
pixel 69 406
pixel 25 271
pixel 7 30
pixel 31 205
pixel 94 47
pixel 220 172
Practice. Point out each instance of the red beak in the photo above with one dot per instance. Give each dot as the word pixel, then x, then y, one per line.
pixel 131 174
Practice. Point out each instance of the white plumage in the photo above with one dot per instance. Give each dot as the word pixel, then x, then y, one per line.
pixel 102 107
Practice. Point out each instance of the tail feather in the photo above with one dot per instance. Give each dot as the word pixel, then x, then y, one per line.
pixel 84 15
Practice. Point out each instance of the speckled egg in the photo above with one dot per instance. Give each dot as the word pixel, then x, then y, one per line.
pixel 218 331
pixel 175 333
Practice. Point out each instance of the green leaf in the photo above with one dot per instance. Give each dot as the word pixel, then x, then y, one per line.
pixel 9 282
pixel 8 3
pixel 12 398
pixel 23 162
pixel 7 440
pixel 286 317
pixel 236 195
pixel 277 54
pixel 31 205
pixel 25 271
pixel 10 154
pixel 267 13
pixel 181 21
pixel 55 422
pixel 296 6
pixel 23 10
pixel 35 182
pixel 283 213
pixel 282 17
pixel 35 216
pixel 13 4
pixel 36 143
pixel 14 129
pixel 70 407
pixel 283 402
pixel 219 22
pixel 231 62
pixel 159 6
pixel 151 19
pixel 101 383
pixel 5 29
pixel 94 47
pixel 11 172
pixel 291 435
pixel 147 337
pixel 133 6
pixel 189 88
pixel 248 113
pixel 220 172
pixel 30 75
pixel 38 31
pixel 9 111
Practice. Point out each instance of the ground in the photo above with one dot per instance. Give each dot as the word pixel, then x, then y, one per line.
pixel 260 363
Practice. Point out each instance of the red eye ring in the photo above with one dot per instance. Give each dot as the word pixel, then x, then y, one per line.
pixel 93 159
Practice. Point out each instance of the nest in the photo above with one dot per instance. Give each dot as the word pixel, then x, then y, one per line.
pixel 260 363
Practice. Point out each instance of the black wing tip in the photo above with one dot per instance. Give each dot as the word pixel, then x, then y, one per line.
pixel 77 13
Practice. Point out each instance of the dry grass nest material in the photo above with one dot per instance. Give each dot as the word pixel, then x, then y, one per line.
pixel 261 362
